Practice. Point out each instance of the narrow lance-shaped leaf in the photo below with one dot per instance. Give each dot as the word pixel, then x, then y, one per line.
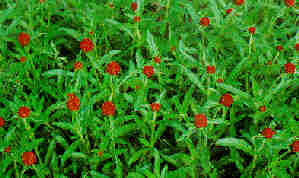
pixel 236 143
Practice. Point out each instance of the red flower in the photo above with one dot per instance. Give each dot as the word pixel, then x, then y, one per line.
pixel 228 11
pixel 290 3
pixel 113 68
pixel 22 59
pixel 289 68
pixel 91 32
pixel 279 48
pixel 148 71
pixel 155 106
pixel 226 100
pixel 239 2
pixel 73 103
pixel 24 112
pixel 24 39
pixel 297 46
pixel 111 5
pixel 268 133
pixel 1 122
pixel 86 45
pixel 205 21
pixel 269 62
pixel 200 120
pixel 108 108
pixel 78 65
pixel 29 158
pixel 7 149
pixel 134 6
pixel 172 48
pixel 295 146
pixel 136 19
pixel 100 153
pixel 262 108
pixel 211 69
pixel 220 80
pixel 157 60
pixel 252 30
pixel 41 1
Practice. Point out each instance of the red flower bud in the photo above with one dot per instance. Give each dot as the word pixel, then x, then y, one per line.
pixel 100 153
pixel 289 3
pixel 86 45
pixel 226 100
pixel 91 32
pixel 7 149
pixel 134 6
pixel 228 11
pixel 297 46
pixel 24 112
pixel 295 146
pixel 78 65
pixel 108 108
pixel 252 30
pixel 269 62
pixel 262 108
pixel 220 80
pixel 205 21
pixel 239 2
pixel 136 19
pixel 200 120
pixel 111 5
pixel 148 71
pixel 268 133
pixel 2 122
pixel 73 103
pixel 157 60
pixel 29 158
pixel 279 48
pixel 289 68
pixel 22 59
pixel 155 106
pixel 211 69
pixel 113 68
pixel 24 39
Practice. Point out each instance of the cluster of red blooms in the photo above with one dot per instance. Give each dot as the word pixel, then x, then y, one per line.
pixel 29 158
pixel 73 103
pixel 108 108
pixel 78 65
pixel 155 106
pixel 86 45
pixel 113 68
pixel 24 112
pixel 134 7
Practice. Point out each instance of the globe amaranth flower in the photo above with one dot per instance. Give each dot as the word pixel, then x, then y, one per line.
pixel 239 2
pixel 262 108
pixel 252 30
pixel 22 59
pixel 2 122
pixel 226 100
pixel 24 39
pixel 211 69
pixel 148 71
pixel 295 146
pixel 205 21
pixel 289 3
pixel 108 108
pixel 24 112
pixel 296 46
pixel 134 6
pixel 7 149
pixel 279 48
pixel 78 65
pixel 113 68
pixel 200 120
pixel 100 153
pixel 268 133
pixel 86 45
pixel 289 68
pixel 220 80
pixel 73 103
pixel 228 11
pixel 155 106
pixel 29 158
pixel 157 60
pixel 136 18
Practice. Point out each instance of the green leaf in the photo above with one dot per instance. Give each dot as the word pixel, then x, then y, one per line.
pixel 120 26
pixel 137 156
pixel 236 143
pixel 58 72
pixel 193 78
pixel 71 32
pixel 152 45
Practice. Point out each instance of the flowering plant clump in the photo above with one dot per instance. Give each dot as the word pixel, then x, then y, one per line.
pixel 149 88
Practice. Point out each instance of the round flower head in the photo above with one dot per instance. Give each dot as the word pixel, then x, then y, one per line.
pixel 200 120
pixel 2 122
pixel 22 59
pixel 220 80
pixel 113 68
pixel 268 133
pixel 73 103
pixel 289 68
pixel 269 62
pixel 262 108
pixel 108 108
pixel 297 46
pixel 29 158
pixel 148 71
pixel 24 112
pixel 211 69
pixel 136 19
pixel 239 2
pixel 100 153
pixel 226 100
pixel 252 30
pixel 134 6
pixel 279 48
pixel 78 65
pixel 155 106
pixel 7 149
pixel 86 45
pixel 24 39
pixel 228 11
pixel 295 146
pixel 289 3
pixel 157 60
pixel 205 21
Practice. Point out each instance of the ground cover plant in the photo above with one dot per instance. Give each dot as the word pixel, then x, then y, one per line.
pixel 149 88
